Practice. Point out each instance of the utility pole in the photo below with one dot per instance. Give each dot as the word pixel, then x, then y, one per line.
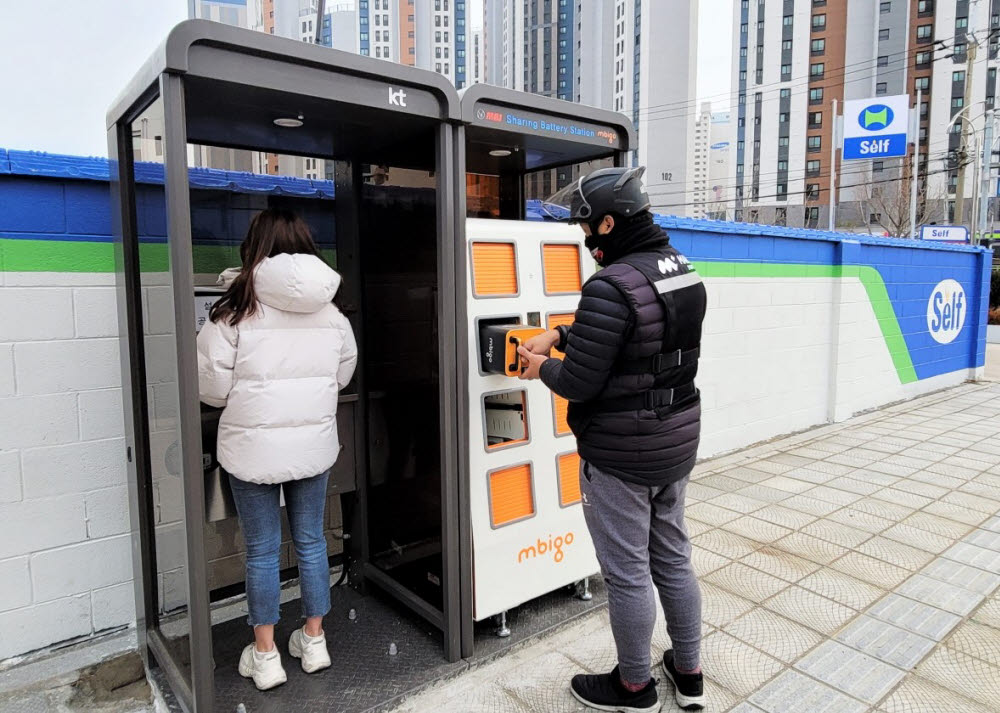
pixel 915 170
pixel 963 148
pixel 984 188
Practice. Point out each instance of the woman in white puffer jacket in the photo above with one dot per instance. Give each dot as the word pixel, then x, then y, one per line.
pixel 275 354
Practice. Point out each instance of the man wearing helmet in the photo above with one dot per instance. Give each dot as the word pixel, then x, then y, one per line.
pixel 631 357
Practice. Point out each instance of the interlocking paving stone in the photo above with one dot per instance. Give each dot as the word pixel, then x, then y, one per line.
pixel 786 483
pixel 720 650
pixel 921 539
pixel 706 562
pixel 940 594
pixel 739 503
pixel 851 671
pixel 895 553
pixel 786 517
pixel 830 468
pixel 699 492
pixel 755 529
pixel 773 634
pixel 811 548
pixel 780 564
pixel 984 538
pixel 810 609
pixel 882 509
pixel 842 588
pixel 720 607
pixel 696 527
pixel 709 514
pixel 945 481
pixel 792 692
pixel 956 512
pixel 989 613
pixel 964 674
pixel 977 640
pixel 938 525
pixel 886 642
pixel 726 544
pixel 747 582
pixel 772 466
pixel 962 575
pixel 874 571
pixel 722 482
pixel 975 556
pixel 906 498
pixel 746 708
pixel 832 495
pixel 973 502
pixel 748 474
pixel 918 695
pixel 807 475
pixel 837 533
pixel 813 506
pixel 764 493
pixel 857 519
pixel 914 616
pixel 872 475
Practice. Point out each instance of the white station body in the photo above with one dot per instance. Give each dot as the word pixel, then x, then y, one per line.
pixel 528 531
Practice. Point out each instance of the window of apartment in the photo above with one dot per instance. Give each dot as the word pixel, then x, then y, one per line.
pixel 783 118
pixel 922 83
pixel 957 102
pixel 817 69
pixel 378 52
pixel 874 218
pixel 814 143
pixel 782 191
pixel 743 99
pixel 958 77
pixel 818 46
pixel 883 61
pixel 812 191
pixel 883 34
pixel 782 165
pixel 740 145
pixel 437 52
pixel 960 49
pixel 881 88
pixel 786 45
pixel 923 134
pixel 787 20
pixel 743 51
pixel 961 23
pixel 815 118
pixel 925 6
pixel 786 70
pixel 437 36
pixel 812 215
pixel 782 142
pixel 744 28
pixel 818 22
pixel 885 8
pixel 878 166
pixel 923 59
pixel 924 109
pixel 924 32
pixel 739 169
pixel 816 95
pixel 743 75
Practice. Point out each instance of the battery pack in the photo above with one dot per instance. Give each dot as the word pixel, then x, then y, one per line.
pixel 498 345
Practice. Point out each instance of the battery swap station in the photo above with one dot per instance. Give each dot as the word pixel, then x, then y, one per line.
pixel 457 482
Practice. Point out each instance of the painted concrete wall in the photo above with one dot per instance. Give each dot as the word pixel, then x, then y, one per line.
pixel 773 338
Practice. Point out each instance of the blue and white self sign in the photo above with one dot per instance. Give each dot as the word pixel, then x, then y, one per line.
pixel 876 128
pixel 945 233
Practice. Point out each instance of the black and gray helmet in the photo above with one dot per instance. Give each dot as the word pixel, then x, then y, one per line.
pixel 607 190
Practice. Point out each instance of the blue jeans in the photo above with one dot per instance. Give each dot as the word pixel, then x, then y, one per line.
pixel 259 509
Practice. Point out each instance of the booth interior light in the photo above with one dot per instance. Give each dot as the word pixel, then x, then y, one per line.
pixel 289 122
pixel 500 153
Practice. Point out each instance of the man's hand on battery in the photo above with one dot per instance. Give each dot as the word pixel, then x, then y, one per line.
pixel 531 364
pixel 543 343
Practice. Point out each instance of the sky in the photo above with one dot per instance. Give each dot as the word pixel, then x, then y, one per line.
pixel 56 86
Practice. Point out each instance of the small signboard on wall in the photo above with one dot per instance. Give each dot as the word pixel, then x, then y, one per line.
pixel 945 233
pixel 203 301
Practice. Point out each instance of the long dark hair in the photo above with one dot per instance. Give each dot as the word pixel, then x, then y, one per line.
pixel 272 232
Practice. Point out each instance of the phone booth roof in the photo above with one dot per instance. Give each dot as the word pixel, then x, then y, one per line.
pixel 540 132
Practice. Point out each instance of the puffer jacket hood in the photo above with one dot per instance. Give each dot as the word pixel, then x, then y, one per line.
pixel 292 283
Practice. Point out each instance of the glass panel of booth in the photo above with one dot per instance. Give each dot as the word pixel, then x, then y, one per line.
pixel 164 470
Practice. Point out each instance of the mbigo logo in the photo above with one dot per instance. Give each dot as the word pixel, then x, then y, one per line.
pixel 552 546
pixel 946 310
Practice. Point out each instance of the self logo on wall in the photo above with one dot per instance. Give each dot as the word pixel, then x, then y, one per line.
pixel 946 310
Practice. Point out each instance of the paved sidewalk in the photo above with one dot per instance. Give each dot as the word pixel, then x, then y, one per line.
pixel 849 569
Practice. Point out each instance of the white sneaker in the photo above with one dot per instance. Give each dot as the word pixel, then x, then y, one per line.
pixel 264 668
pixel 311 649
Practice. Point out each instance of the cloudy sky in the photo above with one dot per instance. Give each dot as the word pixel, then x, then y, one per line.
pixel 60 73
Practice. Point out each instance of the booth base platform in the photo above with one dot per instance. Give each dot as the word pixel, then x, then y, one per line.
pixel 364 676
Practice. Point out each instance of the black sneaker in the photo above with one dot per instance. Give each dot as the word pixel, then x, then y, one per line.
pixel 606 693
pixel 689 688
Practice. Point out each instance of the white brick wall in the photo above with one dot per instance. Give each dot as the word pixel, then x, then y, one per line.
pixel 65 554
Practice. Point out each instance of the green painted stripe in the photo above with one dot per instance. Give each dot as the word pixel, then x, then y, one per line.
pixel 73 256
pixel 869 277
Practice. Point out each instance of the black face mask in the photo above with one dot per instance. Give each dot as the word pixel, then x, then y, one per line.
pixel 626 237
pixel 598 244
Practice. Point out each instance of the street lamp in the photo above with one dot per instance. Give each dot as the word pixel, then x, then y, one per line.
pixel 975 167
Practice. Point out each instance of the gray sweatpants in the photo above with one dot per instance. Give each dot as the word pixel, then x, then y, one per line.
pixel 641 541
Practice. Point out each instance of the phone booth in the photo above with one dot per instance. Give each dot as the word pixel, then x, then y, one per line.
pixel 364 151
pixel 521 501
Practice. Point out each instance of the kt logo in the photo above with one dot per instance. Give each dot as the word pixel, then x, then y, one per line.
pixel 397 97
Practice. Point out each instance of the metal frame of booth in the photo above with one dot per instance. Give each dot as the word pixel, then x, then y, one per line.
pixel 196 58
